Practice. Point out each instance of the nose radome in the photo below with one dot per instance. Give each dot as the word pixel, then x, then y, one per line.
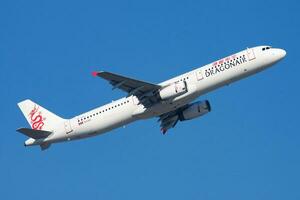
pixel 281 53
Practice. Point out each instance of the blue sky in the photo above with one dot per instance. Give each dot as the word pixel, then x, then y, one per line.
pixel 246 148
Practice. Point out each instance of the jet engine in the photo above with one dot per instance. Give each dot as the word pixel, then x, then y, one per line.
pixel 173 90
pixel 196 109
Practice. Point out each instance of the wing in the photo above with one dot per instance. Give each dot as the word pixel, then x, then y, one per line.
pixel 170 119
pixel 144 91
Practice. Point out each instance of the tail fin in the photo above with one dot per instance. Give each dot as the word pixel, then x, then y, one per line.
pixel 38 117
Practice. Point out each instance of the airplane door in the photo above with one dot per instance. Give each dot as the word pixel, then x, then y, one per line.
pixel 250 54
pixel 68 127
pixel 199 75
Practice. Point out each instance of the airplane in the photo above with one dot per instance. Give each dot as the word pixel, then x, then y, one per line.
pixel 170 101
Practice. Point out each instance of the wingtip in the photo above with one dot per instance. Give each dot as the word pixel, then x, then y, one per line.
pixel 94 73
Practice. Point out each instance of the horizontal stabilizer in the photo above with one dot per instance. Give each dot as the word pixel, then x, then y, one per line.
pixel 35 134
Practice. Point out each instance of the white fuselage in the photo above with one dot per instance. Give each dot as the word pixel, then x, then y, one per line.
pixel 199 81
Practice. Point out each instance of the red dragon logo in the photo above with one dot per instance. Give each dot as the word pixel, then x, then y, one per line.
pixel 36 118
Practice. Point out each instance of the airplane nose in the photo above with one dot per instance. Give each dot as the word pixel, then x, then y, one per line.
pixel 281 53
pixel 278 54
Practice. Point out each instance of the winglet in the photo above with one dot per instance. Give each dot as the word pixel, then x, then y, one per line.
pixel 94 73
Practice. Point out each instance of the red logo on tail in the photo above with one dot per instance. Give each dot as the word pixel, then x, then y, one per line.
pixel 36 118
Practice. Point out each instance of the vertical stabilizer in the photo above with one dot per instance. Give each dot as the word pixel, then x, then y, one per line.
pixel 38 117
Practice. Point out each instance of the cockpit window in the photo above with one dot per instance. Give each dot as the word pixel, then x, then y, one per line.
pixel 266 48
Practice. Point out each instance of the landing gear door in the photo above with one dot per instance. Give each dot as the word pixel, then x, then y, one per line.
pixel 68 127
pixel 250 54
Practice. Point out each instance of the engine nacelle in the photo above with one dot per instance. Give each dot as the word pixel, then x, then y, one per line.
pixel 196 109
pixel 173 90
